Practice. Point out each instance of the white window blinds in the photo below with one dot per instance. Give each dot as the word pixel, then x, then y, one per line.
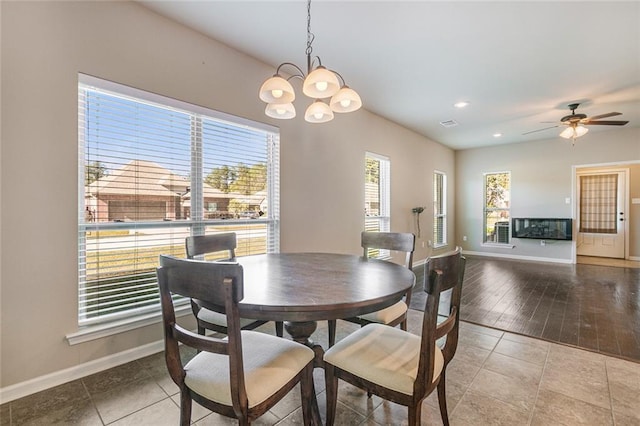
pixel 153 171
pixel 377 197
pixel 439 209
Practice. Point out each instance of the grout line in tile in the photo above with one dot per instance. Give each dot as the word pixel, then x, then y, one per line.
pixel 535 401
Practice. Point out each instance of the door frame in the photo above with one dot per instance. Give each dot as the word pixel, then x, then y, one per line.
pixel 599 168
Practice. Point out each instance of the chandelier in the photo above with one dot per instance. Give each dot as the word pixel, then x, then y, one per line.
pixel 318 83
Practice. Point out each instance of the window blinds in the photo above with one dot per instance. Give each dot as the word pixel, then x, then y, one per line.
pixel 377 197
pixel 153 171
pixel 439 209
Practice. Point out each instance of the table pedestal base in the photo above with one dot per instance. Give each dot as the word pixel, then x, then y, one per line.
pixel 301 332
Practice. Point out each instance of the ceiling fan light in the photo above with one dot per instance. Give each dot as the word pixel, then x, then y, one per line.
pixel 280 111
pixel 318 112
pixel 581 131
pixel 277 90
pixel 346 100
pixel 567 133
pixel 321 83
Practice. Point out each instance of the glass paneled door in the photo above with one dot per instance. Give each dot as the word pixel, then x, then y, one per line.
pixel 601 214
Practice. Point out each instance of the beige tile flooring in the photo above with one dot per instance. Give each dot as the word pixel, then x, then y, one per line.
pixel 496 378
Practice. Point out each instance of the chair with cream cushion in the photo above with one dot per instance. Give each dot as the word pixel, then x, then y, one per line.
pixel 217 247
pixel 452 266
pixel 394 364
pixel 242 375
pixel 397 313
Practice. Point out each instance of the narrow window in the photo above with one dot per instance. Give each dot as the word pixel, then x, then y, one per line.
pixel 439 209
pixel 497 204
pixel 377 196
pixel 153 171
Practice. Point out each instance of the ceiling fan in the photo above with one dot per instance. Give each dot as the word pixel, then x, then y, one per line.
pixel 575 123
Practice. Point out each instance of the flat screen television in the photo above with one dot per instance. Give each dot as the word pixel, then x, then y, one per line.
pixel 542 228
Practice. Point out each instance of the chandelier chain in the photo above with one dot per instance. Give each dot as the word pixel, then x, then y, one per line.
pixel 310 35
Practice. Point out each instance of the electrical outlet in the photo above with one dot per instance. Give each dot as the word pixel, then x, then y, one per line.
pixel 423 244
pixel 464 238
pixel 543 243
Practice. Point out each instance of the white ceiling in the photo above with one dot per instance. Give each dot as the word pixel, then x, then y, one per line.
pixel 518 63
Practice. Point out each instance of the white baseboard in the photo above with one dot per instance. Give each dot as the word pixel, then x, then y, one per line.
pixel 47 381
pixel 516 257
pixel 634 258
pixel 506 256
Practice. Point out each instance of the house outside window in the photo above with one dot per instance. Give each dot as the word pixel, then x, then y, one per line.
pixel 377 197
pixel 497 205
pixel 154 170
pixel 439 209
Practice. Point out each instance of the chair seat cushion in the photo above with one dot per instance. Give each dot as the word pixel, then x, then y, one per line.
pixel 384 355
pixel 216 318
pixel 386 315
pixel 269 363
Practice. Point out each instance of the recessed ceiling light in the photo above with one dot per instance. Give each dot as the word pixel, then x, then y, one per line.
pixel 497 135
pixel 461 104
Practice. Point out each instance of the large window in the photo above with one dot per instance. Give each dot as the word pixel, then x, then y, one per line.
pixel 377 198
pixel 439 209
pixel 153 171
pixel 497 204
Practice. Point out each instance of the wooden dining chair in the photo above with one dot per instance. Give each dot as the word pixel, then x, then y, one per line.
pixel 452 266
pixel 217 247
pixel 397 365
pixel 397 313
pixel 242 375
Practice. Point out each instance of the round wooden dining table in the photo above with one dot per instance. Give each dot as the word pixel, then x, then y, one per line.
pixel 302 288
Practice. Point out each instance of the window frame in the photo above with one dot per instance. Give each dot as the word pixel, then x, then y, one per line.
pixel 489 209
pixel 380 222
pixel 196 223
pixel 440 209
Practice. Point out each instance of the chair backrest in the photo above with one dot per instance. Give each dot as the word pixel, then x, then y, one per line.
pixel 221 285
pixel 443 274
pixel 452 265
pixel 203 244
pixel 397 241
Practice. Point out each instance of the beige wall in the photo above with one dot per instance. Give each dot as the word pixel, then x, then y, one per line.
pixel 542 178
pixel 44 46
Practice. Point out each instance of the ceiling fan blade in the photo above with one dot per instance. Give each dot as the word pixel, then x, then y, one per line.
pixel 607 123
pixel 609 114
pixel 539 130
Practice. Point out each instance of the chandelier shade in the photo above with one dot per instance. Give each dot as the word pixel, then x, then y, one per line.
pixel 281 111
pixel 318 83
pixel 346 100
pixel 277 90
pixel 318 112
pixel 321 83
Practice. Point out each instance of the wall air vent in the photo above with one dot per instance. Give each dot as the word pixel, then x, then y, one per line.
pixel 449 123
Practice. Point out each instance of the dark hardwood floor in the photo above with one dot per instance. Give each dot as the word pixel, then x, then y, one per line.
pixel 589 306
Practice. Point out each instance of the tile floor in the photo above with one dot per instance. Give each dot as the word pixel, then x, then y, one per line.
pixel 496 378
